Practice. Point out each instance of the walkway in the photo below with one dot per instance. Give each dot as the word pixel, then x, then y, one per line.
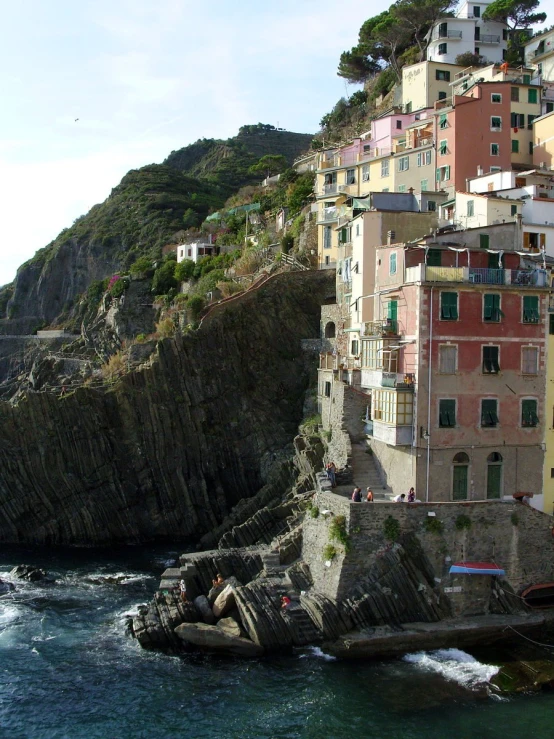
pixel 362 472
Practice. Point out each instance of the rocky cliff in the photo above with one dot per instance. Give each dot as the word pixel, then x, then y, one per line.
pixel 171 448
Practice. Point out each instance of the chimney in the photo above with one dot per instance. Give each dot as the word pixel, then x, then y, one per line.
pixel 391 235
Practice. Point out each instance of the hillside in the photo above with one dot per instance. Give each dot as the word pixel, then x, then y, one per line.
pixel 142 214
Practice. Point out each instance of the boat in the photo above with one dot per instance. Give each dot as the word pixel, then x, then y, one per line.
pixel 539 596
pixel 477 568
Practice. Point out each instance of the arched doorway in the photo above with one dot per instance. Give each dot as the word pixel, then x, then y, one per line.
pixel 330 330
pixel 494 475
pixel 460 475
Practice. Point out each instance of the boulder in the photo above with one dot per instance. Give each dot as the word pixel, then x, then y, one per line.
pixel 214 592
pixel 6 587
pixel 26 572
pixel 202 604
pixel 215 639
pixel 229 626
pixel 224 601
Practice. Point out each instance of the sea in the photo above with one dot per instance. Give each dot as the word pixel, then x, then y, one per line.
pixel 69 668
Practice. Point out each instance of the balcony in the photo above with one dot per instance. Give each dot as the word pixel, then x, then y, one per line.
pixel 384 327
pixel 477 275
pixel 488 38
pixel 330 189
pixel 399 382
pixel 487 276
pixel 327 215
pixel 448 34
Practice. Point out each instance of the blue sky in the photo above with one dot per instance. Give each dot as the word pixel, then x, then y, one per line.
pixel 145 78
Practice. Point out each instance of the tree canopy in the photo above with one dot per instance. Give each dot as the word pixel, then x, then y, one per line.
pixel 519 16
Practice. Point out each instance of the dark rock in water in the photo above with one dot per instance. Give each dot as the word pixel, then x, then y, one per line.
pixel 202 605
pixel 225 601
pixel 27 572
pixel 154 628
pixel 106 579
pixel 6 587
pixel 215 639
pixel 229 626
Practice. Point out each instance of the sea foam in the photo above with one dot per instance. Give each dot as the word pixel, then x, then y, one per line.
pixel 454 665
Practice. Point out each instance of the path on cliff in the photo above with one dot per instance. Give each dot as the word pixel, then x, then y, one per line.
pixel 364 473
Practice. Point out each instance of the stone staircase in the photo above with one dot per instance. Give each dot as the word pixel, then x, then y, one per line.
pixel 364 474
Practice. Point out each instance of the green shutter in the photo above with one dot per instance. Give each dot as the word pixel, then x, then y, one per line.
pixel 530 309
pixel 494 477
pixel 434 258
pixel 491 308
pixel 491 365
pixel 392 310
pixel 489 415
pixel 532 95
pixel 447 172
pixel 447 413
pixel 529 413
pixel 459 482
pixel 515 146
pixel 443 120
pixel 484 241
pixel 449 306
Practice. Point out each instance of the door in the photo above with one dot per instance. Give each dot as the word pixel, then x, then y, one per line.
pixel 459 482
pixel 494 479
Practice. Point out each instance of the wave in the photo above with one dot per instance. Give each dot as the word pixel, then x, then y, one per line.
pixel 319 653
pixel 8 614
pixel 454 665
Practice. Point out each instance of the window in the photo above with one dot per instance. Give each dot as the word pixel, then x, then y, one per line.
pixel 530 309
pixel 443 147
pixel 551 327
pixel 357 229
pixel 495 150
pixel 392 264
pixel 530 360
pixel 530 119
pixel 447 414
pixel 496 97
pixel 517 120
pixel 365 173
pixel 549 107
pixel 496 123
pixel 385 168
pixel 513 210
pixel 443 173
pixel 443 75
pixel 449 306
pixel 434 258
pixel 442 95
pixel 399 125
pixel 327 389
pixel 477 52
pixel 515 146
pixel 494 475
pixel 448 359
pixel 401 188
pixel 443 49
pixel 491 308
pixel 529 417
pixel 490 360
pixel 514 94
pixel 443 121
pixel 354 348
pixel 470 208
pixel 504 34
pixel 350 176
pixel 423 158
pixel 489 413
pixel 484 241
pixel 531 148
pixel 477 35
pixel 476 11
pixel 526 79
pixel 532 96
pixel 403 164
pixel 431 206
pixel 327 235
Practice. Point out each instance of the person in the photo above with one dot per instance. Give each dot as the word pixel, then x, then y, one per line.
pixel 218 580
pixel 411 496
pixel 285 601
pixel 357 495
pixel 332 473
pixel 183 591
pixel 369 497
pixel 400 498
pixel 526 500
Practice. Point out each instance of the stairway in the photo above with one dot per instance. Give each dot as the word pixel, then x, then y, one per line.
pixel 364 474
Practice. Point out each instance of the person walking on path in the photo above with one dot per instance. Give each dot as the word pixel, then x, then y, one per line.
pixel 357 495
pixel 332 473
pixel 369 496
pixel 183 591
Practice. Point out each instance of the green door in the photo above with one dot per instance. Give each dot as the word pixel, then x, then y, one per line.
pixel 393 310
pixel 494 476
pixel 459 483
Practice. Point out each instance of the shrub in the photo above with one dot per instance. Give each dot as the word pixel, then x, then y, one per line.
pixel 118 287
pixel 391 528
pixel 433 525
pixel 114 366
pixel 229 288
pixel 184 270
pixel 143 266
pixel 462 522
pixel 165 328
pixel 329 552
pixel 314 511
pixel 195 306
pixel 338 532
pixel 140 338
pixel 287 242
pixel 164 278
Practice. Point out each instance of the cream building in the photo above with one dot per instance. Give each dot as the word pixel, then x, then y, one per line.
pixel 426 82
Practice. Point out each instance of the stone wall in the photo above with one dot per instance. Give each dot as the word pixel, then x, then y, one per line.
pixel 396 465
pixel 517 537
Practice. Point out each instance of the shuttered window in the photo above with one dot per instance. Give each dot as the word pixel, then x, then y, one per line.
pixel 449 306
pixel 490 360
pixel 434 257
pixel 491 308
pixel 529 360
pixel 530 309
pixel 529 417
pixel 448 355
pixel 489 412
pixel 447 414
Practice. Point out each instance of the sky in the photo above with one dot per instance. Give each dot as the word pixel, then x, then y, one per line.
pixel 146 77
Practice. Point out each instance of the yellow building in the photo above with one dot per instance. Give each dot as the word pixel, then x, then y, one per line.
pixel 543 148
pixel 425 83
pixel 548 473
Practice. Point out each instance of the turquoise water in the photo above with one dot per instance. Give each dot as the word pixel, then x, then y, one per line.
pixel 69 669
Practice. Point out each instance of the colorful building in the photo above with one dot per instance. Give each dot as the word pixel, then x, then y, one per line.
pixel 425 83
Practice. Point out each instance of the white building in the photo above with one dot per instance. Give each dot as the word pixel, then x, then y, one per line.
pixel 195 251
pixel 468 33
pixel 539 53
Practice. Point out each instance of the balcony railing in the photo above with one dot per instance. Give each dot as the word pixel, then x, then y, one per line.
pixel 384 327
pixel 487 276
pixel 449 34
pixel 488 38
pixel 330 189
pixel 477 275
pixel 328 214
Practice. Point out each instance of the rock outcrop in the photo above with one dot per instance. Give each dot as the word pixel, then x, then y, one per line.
pixel 167 452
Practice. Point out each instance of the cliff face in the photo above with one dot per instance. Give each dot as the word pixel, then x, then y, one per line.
pixel 171 448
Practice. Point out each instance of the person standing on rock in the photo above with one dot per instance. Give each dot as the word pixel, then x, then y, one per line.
pixel 183 591
pixel 332 474
pixel 357 495
pixel 369 496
